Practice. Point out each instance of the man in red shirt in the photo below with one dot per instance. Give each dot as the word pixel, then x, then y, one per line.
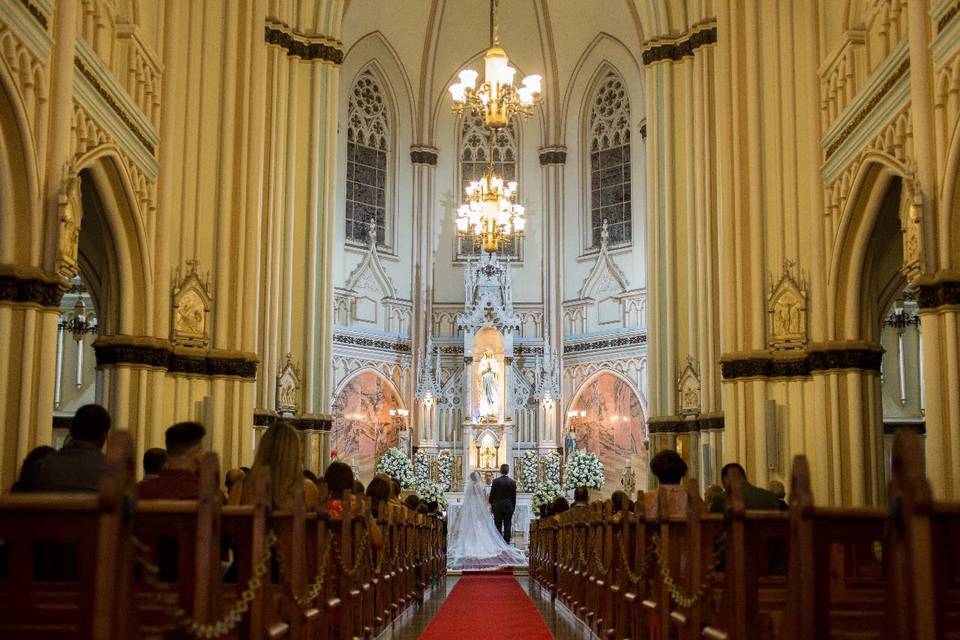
pixel 177 479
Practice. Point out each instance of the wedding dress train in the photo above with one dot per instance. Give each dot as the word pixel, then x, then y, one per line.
pixel 473 542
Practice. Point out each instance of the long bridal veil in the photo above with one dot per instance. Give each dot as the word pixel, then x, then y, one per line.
pixel 473 542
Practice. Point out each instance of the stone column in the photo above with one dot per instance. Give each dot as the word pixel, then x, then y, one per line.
pixel 552 165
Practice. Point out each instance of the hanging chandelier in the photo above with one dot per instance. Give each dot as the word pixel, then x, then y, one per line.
pixel 497 99
pixel 490 212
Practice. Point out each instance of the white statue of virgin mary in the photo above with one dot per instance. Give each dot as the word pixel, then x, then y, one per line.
pixel 489 389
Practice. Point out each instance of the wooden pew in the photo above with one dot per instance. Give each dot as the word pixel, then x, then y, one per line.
pixel 179 543
pixel 835 586
pixel 924 556
pixel 245 529
pixel 87 594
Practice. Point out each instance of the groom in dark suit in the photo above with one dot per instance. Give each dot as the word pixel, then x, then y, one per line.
pixel 503 502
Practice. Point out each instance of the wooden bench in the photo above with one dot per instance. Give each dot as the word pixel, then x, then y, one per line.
pixel 65 558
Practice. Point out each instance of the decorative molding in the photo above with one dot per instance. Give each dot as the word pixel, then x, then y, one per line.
pixel 301 423
pixel 605 343
pixel 304 47
pixel 117 108
pixel 34 10
pixel 933 295
pixel 680 49
pixel 865 110
pixel 383 344
pixel 764 364
pixel 688 389
pixel 677 424
pixel 553 155
pixel 605 276
pixel 30 286
pixel 948 17
pixel 159 354
pixel 423 155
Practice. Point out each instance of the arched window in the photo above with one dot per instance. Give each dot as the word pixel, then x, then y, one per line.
pixel 368 134
pixel 476 146
pixel 609 140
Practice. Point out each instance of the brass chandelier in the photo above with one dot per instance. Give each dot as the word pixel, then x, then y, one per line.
pixel 490 212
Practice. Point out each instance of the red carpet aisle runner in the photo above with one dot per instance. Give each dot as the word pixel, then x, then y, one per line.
pixel 491 607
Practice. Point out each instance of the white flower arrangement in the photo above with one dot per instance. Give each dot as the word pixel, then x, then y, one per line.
pixel 444 469
pixel 397 465
pixel 584 469
pixel 545 493
pixel 528 467
pixel 421 465
pixel 551 467
pixel 431 492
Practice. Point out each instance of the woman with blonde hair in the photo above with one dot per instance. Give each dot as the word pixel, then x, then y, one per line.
pixel 279 452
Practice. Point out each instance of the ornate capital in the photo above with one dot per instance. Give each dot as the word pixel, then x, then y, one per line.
pixel 553 155
pixel 30 286
pixel 423 155
pixel 305 47
pixel 679 49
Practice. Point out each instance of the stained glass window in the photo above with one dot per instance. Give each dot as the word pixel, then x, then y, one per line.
pixel 610 162
pixel 368 130
pixel 475 149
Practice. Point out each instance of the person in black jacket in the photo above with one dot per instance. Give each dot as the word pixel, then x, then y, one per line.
pixel 503 501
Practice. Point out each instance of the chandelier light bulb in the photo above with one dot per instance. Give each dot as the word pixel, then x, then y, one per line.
pixel 531 82
pixel 459 93
pixel 468 79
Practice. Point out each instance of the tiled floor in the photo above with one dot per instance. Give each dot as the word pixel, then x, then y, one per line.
pixel 561 622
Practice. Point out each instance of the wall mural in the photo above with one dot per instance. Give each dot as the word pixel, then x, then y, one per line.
pixel 613 428
pixel 362 426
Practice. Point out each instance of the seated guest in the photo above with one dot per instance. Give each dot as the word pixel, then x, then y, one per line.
pixel 278 452
pixel 711 492
pixel 358 488
pixel 339 479
pixel 422 508
pixel 620 501
pixel 379 491
pixel 76 468
pixel 233 477
pixel 177 480
pixel 776 488
pixel 433 509
pixel 153 461
pixel 560 505
pixel 669 468
pixel 310 475
pixel 37 454
pixel 581 497
pixel 754 498
pixel 411 501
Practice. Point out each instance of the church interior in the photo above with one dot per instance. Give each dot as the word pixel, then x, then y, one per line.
pixel 686 271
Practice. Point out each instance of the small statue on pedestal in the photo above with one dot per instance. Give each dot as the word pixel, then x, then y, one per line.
pixel 629 479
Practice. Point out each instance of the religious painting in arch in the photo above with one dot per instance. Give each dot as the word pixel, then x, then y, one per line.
pixel 610 422
pixel 363 428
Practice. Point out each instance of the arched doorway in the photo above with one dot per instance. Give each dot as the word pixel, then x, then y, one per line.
pixel 76 366
pixel 607 419
pixel 363 428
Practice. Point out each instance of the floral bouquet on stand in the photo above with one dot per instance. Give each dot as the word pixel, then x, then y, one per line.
pixel 421 465
pixel 528 468
pixel 397 465
pixel 545 493
pixel 444 469
pixel 551 467
pixel 584 469
pixel 429 491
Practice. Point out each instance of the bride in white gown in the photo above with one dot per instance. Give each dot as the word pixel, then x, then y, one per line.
pixel 473 542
